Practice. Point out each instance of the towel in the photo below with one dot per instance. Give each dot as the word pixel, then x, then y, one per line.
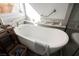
pixel 42 48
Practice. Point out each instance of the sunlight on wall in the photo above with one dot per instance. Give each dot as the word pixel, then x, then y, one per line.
pixel 32 14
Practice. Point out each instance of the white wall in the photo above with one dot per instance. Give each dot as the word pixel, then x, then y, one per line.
pixel 46 8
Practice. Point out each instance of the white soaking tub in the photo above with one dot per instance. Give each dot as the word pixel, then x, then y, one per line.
pixel 41 40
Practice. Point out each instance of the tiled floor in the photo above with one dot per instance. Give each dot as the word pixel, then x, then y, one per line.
pixel 70 48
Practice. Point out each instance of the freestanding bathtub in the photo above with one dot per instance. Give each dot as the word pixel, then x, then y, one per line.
pixel 35 37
